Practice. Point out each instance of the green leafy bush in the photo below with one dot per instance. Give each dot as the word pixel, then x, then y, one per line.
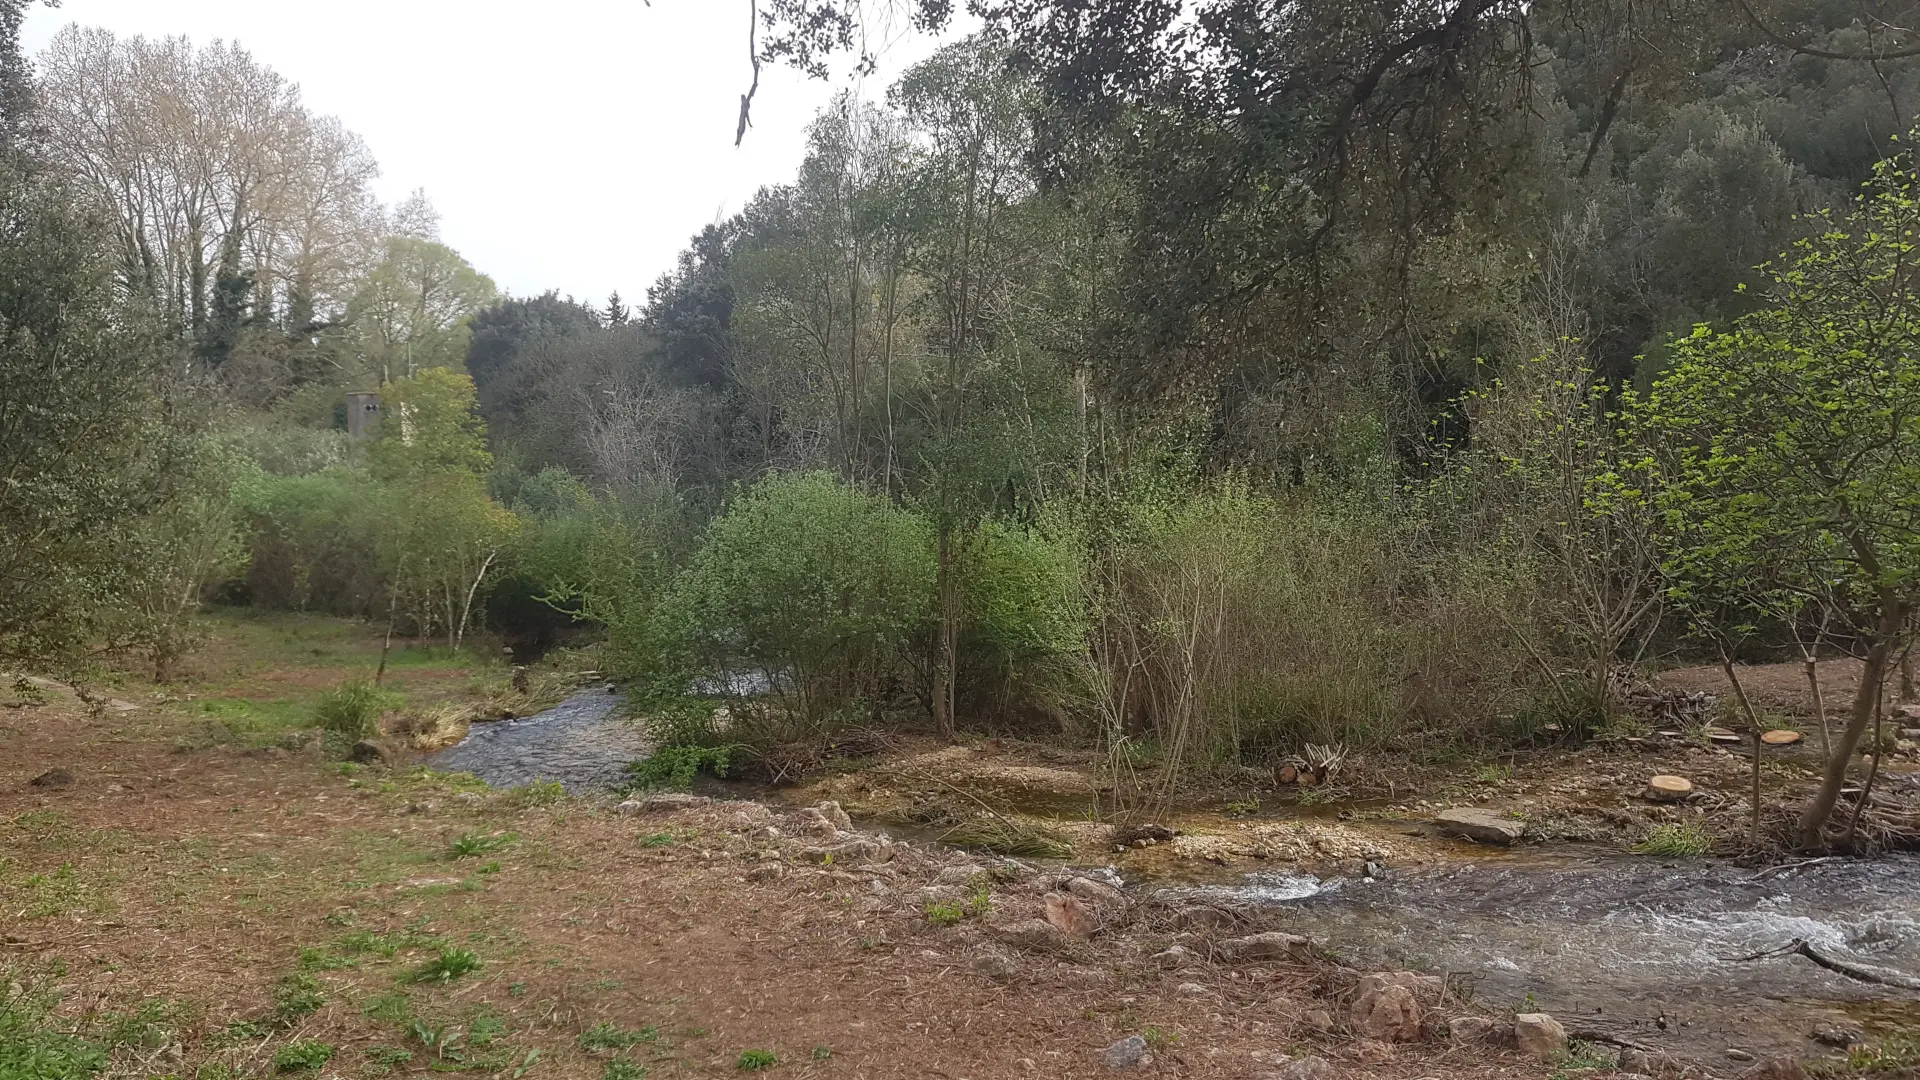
pixel 811 582
pixel 673 767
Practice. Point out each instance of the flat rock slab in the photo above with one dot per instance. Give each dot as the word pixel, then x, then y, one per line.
pixel 1480 826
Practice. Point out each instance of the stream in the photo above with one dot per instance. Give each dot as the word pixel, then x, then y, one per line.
pixel 1635 947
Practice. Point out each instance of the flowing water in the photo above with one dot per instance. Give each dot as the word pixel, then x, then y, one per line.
pixel 582 742
pixel 1637 947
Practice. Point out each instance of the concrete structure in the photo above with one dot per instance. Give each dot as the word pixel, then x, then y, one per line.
pixel 363 412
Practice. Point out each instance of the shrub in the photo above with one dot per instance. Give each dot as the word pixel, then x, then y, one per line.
pixel 353 709
pixel 810 582
pixel 672 768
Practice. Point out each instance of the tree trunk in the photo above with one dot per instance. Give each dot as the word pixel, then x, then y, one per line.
pixel 1814 821
pixel 943 649
pixel 386 647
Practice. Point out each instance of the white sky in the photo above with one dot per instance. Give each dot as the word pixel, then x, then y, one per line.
pixel 568 144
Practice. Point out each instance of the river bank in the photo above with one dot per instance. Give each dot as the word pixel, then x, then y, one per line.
pixel 194 888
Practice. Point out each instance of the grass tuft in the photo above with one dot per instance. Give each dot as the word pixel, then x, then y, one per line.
pixel 1005 837
pixel 304 1055
pixel 756 1060
pixel 352 709
pixel 448 966
pixel 1685 841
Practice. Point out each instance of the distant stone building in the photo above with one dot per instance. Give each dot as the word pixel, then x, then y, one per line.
pixel 363 412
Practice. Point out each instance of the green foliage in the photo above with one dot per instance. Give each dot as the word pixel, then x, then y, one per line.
pixel 1683 841
pixel 756 1060
pixel 451 964
pixel 303 1055
pixel 295 996
pixel 32 1047
pixel 539 793
pixel 623 1070
pixel 673 767
pixel 813 582
pixel 353 709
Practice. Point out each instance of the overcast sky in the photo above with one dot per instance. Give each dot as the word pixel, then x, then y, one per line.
pixel 568 144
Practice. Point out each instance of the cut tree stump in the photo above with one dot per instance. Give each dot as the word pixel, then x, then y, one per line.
pixel 1780 737
pixel 1666 788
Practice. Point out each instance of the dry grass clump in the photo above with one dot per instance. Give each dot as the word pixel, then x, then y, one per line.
pixel 435 726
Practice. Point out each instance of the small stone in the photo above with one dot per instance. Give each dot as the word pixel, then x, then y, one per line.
pixel 56 777
pixel 835 816
pixel 1836 1034
pixel 1070 915
pixel 420 808
pixel 1102 897
pixel 469 798
pixel 1306 1068
pixel 766 871
pixel 1200 917
pixel 1178 956
pixel 1774 1068
pixel 1031 934
pixel 1126 1054
pixel 1388 1013
pixel 1469 1030
pixel 813 822
pixel 367 752
pixel 1479 826
pixel 1317 1019
pixel 1272 945
pixel 995 966
pixel 1539 1036
pixel 1736 1054
pixel 1373 1051
pixel 1190 988
pixel 958 874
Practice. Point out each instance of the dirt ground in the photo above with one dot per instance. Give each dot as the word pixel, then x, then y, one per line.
pixel 204 901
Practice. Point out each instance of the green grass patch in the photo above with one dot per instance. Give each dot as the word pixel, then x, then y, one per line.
pixel 623 1070
pixel 538 793
pixel 353 709
pixel 296 996
pixel 34 1047
pixel 672 768
pixel 1683 841
pixel 1005 837
pixel 304 1055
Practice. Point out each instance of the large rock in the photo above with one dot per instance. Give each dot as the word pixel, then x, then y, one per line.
pixel 1126 1054
pixel 1106 899
pixel 1470 1030
pixel 813 822
pixel 1388 1013
pixel 1031 934
pixel 1201 917
pixel 1070 915
pixel 1426 988
pixel 835 815
pixel 1540 1036
pixel 1305 1068
pixel 1480 826
pixel 1272 945
pixel 367 752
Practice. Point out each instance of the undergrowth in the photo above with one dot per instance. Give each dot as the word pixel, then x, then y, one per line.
pixel 1682 841
pixel 672 768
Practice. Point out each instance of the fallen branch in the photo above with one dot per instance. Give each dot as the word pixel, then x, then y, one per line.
pixel 1788 868
pixel 1878 976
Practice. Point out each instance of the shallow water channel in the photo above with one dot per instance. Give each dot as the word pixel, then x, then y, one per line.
pixel 1634 947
